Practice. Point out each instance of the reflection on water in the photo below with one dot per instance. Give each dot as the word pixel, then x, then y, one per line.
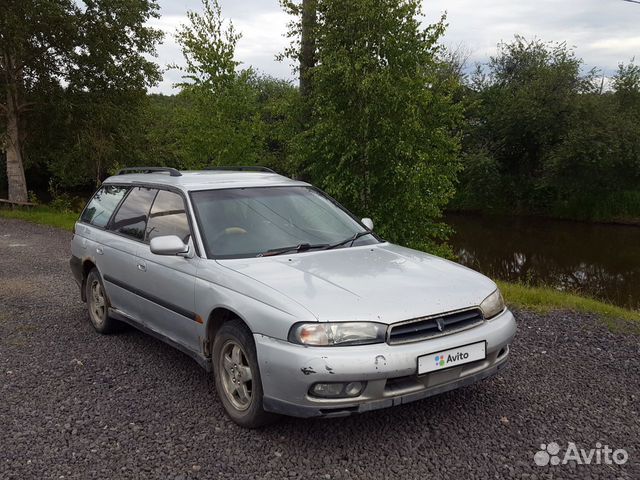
pixel 599 260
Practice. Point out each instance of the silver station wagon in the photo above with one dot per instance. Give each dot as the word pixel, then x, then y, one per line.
pixel 295 305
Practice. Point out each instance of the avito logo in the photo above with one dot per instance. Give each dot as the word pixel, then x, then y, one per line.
pixel 445 358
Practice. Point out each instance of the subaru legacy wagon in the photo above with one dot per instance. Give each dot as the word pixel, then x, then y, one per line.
pixel 296 306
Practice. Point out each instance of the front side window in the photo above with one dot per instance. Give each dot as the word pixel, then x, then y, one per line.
pixel 249 222
pixel 99 210
pixel 168 217
pixel 131 217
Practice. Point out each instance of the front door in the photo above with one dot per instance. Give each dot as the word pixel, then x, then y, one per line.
pixel 169 281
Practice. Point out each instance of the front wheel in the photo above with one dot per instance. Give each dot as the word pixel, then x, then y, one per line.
pixel 237 376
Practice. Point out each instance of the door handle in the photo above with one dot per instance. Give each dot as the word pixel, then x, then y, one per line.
pixel 99 250
pixel 142 267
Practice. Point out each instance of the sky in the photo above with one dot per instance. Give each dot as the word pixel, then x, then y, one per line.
pixel 603 32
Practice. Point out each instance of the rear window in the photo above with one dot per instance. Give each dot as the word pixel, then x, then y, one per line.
pixel 99 210
pixel 131 217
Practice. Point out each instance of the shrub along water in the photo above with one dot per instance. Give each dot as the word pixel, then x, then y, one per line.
pixel 541 137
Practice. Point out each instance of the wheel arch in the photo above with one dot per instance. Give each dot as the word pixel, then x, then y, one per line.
pixel 218 317
pixel 87 266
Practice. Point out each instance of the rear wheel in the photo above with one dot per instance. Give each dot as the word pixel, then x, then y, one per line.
pixel 98 304
pixel 237 376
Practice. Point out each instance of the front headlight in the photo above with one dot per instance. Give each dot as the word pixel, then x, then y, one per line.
pixel 338 333
pixel 492 305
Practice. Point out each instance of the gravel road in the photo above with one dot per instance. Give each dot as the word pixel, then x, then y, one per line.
pixel 75 404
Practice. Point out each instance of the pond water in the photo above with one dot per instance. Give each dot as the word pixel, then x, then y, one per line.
pixel 602 261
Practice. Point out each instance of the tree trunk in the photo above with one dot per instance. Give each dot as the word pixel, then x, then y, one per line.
pixel 308 45
pixel 15 167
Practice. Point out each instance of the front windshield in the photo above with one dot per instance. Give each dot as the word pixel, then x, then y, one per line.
pixel 249 222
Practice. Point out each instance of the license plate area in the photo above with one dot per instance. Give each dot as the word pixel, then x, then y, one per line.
pixel 452 357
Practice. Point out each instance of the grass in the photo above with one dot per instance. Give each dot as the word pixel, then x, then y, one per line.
pixel 43 215
pixel 546 299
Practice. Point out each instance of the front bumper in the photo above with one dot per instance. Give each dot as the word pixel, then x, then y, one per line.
pixel 288 370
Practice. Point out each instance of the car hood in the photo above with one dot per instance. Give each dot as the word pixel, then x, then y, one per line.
pixel 383 283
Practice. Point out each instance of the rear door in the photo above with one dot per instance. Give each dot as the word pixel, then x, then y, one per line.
pixel 169 281
pixel 126 236
pixel 92 240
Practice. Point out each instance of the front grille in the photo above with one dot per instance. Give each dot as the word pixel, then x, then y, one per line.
pixel 434 326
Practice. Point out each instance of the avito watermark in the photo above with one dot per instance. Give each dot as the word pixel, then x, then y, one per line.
pixel 550 454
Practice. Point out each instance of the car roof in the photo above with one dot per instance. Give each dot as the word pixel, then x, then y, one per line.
pixel 207 179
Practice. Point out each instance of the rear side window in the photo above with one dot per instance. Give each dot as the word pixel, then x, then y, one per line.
pixel 168 217
pixel 131 217
pixel 101 207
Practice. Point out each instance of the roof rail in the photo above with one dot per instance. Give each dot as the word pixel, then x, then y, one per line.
pixel 172 171
pixel 249 168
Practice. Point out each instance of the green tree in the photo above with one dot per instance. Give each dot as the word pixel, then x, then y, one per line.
pixel 88 63
pixel 278 104
pixel 34 49
pixel 526 98
pixel 381 131
pixel 595 170
pixel 161 126
pixel 222 123
pixel 626 85
pixel 208 48
pixel 543 137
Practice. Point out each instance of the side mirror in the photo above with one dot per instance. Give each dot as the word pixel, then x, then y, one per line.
pixel 169 245
pixel 367 222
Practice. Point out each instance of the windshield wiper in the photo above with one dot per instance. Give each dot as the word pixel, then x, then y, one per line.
pixel 349 240
pixel 302 247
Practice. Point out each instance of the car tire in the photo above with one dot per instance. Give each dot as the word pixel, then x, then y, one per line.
pixel 237 376
pixel 98 304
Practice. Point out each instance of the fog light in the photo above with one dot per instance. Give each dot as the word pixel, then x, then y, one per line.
pixel 353 389
pixel 337 390
pixel 327 389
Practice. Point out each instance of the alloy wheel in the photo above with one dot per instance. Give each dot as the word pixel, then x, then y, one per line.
pixel 236 375
pixel 97 303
